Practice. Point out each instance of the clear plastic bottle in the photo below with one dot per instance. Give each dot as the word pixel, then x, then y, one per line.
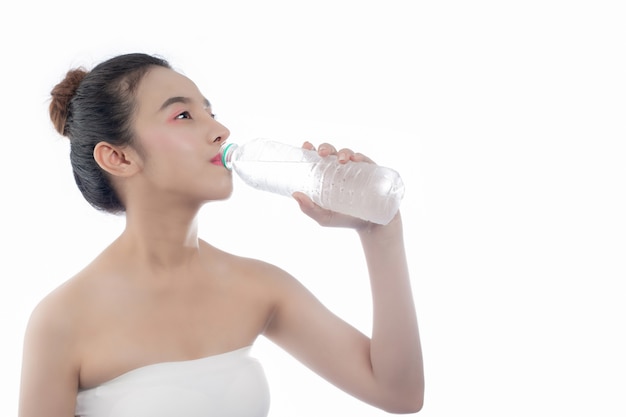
pixel 360 189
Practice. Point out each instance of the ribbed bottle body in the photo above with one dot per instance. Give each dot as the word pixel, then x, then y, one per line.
pixel 364 190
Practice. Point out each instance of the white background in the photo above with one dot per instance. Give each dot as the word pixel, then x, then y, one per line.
pixel 505 119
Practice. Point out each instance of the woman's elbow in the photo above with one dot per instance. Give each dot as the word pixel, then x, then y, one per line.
pixel 408 402
pixel 410 406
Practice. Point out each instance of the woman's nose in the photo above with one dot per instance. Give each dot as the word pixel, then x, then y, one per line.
pixel 219 132
pixel 221 138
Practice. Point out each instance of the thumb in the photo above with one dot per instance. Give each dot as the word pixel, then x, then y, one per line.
pixel 306 204
pixel 321 215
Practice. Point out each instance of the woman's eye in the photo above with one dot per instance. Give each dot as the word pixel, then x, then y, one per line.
pixel 184 115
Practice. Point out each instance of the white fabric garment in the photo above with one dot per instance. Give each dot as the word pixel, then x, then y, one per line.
pixel 230 384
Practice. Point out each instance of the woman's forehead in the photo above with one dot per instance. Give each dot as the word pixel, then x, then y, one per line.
pixel 159 84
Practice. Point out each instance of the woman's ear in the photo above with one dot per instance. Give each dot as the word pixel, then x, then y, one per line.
pixel 117 161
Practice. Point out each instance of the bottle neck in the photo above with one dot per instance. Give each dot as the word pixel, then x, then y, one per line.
pixel 227 154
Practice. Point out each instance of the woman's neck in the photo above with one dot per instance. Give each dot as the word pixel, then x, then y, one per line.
pixel 160 239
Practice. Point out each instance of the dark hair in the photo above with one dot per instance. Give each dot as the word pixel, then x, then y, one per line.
pixel 89 107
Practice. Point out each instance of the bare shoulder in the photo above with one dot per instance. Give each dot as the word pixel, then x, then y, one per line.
pixel 51 360
pixel 55 316
pixel 266 278
pixel 242 266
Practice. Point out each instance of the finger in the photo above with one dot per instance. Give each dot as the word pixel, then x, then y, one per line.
pixel 308 207
pixel 359 157
pixel 326 149
pixel 308 145
pixel 344 155
pixel 306 204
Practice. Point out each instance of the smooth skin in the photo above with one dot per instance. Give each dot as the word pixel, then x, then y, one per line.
pixel 160 293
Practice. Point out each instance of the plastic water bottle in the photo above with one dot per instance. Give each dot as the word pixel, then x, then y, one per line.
pixel 360 189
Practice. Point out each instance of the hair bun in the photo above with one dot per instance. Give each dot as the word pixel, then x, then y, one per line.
pixel 62 94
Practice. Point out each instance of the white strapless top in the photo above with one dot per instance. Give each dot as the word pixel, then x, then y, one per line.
pixel 230 384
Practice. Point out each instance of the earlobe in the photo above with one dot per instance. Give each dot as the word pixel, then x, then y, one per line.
pixel 115 160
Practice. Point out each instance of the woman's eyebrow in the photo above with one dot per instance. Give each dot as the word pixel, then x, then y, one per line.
pixel 181 99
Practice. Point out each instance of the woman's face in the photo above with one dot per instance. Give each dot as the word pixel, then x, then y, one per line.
pixel 179 139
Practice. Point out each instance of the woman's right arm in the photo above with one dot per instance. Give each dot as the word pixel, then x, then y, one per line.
pixel 50 368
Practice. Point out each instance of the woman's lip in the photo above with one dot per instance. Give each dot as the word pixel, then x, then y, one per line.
pixel 217 159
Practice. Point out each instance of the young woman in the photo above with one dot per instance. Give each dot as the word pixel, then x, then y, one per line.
pixel 161 322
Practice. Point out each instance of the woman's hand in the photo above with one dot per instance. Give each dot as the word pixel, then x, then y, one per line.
pixel 323 216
